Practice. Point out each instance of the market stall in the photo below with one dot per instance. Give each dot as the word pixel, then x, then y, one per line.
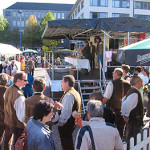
pixel 83 29
pixel 9 50
pixel 135 54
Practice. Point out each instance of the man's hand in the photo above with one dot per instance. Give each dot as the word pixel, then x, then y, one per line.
pixel 75 114
pixel 104 101
pixel 126 119
pixel 58 105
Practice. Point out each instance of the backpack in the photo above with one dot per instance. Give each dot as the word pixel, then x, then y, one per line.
pixel 21 143
pixel 81 134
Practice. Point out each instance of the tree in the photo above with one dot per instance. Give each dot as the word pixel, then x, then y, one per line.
pixel 4 30
pixel 47 44
pixel 31 36
pixel 3 23
pixel 45 19
pixel 15 36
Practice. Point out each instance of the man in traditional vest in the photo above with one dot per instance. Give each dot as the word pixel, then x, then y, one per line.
pixel 38 86
pixel 132 109
pixel 114 93
pixel 14 103
pixel 71 101
pixel 3 87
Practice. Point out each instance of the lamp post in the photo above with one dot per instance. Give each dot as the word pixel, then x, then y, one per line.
pixel 133 8
pixel 20 12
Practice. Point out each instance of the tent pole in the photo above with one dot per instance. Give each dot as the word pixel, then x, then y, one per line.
pixel 104 50
pixel 128 38
pixel 52 65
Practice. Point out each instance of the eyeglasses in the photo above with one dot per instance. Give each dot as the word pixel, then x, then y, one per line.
pixel 25 80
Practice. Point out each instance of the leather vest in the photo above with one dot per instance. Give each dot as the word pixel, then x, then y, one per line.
pixel 76 106
pixel 136 115
pixel 120 89
pixel 2 91
pixel 11 94
pixel 31 102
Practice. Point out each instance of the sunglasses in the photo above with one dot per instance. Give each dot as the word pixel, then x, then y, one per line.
pixel 25 80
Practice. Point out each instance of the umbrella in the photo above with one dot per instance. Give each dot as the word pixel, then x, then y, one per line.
pixel 135 54
pixel 6 49
pixel 30 51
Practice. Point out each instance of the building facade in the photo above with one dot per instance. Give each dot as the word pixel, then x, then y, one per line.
pixel 23 10
pixel 110 8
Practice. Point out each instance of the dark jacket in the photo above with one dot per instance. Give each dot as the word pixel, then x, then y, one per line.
pixel 86 52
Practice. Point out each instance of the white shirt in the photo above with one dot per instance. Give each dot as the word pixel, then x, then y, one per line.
pixel 66 112
pixel 19 106
pixel 144 78
pixel 105 137
pixel 129 104
pixel 109 90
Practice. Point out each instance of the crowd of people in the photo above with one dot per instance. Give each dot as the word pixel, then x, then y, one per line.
pixel 115 116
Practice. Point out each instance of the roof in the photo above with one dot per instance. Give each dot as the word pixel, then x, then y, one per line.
pixel 144 44
pixel 82 28
pixel 135 54
pixel 41 6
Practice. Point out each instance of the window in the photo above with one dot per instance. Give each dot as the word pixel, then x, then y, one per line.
pixel 38 15
pixel 62 15
pixel 143 16
pixel 42 14
pixel 82 4
pixel 121 3
pixel 78 8
pixel 54 14
pixel 58 15
pixel 82 16
pixel 98 15
pixel 14 23
pixel 18 23
pixel 22 23
pixel 102 3
pixel 120 15
pixel 34 13
pixel 26 14
pixel 142 5
pixel 94 3
pixel 30 13
pixel 75 13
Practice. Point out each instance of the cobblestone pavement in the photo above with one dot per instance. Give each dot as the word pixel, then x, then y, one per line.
pixel 40 72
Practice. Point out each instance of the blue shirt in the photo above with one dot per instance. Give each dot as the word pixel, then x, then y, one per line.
pixel 39 136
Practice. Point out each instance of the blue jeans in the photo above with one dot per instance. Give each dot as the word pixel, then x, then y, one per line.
pixel 100 58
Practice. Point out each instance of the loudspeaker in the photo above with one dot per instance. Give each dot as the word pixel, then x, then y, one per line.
pixel 72 45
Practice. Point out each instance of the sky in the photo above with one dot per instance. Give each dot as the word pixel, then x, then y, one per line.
pixel 6 3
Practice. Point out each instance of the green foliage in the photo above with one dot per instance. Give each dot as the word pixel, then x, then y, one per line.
pixel 5 35
pixel 15 36
pixel 47 17
pixel 48 45
pixel 32 36
pixel 3 23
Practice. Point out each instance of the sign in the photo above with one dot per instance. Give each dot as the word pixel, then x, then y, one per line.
pixel 56 86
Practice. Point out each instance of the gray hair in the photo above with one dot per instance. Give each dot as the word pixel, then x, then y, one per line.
pixel 95 108
pixel 134 79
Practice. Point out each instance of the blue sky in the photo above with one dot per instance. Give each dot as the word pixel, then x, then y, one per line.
pixel 6 3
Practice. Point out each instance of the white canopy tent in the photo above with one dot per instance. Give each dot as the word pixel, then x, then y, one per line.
pixel 6 49
pixel 9 50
